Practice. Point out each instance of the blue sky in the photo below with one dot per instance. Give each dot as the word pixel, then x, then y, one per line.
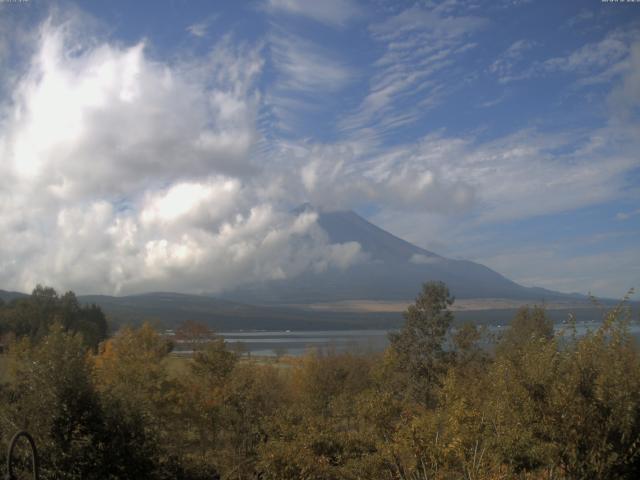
pixel 163 145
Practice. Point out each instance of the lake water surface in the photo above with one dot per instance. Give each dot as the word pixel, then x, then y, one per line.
pixel 270 343
pixel 299 342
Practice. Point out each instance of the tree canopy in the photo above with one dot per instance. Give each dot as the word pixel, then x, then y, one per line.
pixel 33 316
pixel 442 402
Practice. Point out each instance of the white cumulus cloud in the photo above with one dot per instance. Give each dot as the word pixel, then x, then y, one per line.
pixel 124 174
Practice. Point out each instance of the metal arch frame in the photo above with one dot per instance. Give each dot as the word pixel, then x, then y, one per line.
pixel 34 455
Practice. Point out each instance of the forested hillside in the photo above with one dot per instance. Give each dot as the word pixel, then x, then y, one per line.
pixel 32 316
pixel 437 404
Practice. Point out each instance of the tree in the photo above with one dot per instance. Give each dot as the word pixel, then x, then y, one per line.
pixel 194 334
pixel 529 324
pixel 132 380
pixel 213 363
pixel 34 315
pixel 52 397
pixel 567 405
pixel 88 320
pixel 419 346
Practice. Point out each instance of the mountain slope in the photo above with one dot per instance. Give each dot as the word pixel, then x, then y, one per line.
pixel 382 246
pixel 395 269
pixel 7 296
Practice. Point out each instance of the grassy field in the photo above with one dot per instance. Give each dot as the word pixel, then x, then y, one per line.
pixel 178 365
pixel 464 304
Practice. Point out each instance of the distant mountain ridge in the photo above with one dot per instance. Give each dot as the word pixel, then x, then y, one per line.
pixel 395 270
pixel 348 226
pixel 8 296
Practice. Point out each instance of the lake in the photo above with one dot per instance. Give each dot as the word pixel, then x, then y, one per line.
pixel 271 343
pixel 298 342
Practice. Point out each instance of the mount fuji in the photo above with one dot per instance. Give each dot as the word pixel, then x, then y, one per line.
pixel 393 269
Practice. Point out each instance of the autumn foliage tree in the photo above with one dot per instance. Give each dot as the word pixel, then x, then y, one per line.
pixel 443 401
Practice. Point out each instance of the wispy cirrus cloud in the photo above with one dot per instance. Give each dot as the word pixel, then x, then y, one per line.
pixel 336 176
pixel 622 216
pixel 418 44
pixel 624 99
pixel 330 12
pixel 601 56
pixel 581 17
pixel 305 75
pixel 506 65
pixel 306 67
pixel 201 28
pixel 593 63
pixel 526 174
